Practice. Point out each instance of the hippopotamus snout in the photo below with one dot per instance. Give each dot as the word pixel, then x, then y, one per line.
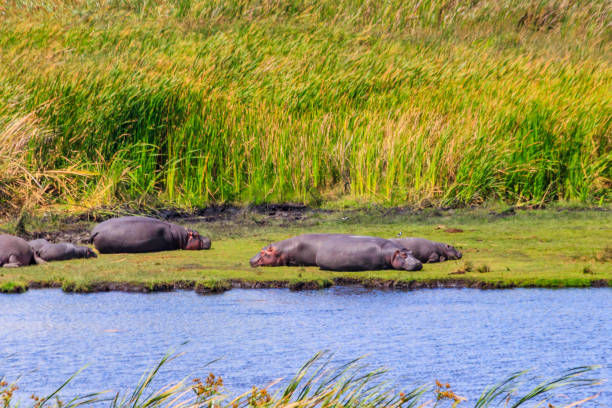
pixel 196 242
pixel 254 261
pixel 404 260
pixel 269 256
pixel 205 243
pixel 452 253
pixel 413 265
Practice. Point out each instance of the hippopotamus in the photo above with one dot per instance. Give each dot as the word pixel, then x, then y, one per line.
pixel 61 252
pixel 15 252
pixel 322 250
pixel 428 251
pixel 144 234
pixel 355 253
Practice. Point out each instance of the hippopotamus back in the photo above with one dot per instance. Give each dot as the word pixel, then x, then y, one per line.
pixel 36 244
pixel 359 253
pixel 64 251
pixel 15 251
pixel 143 234
pixel 428 251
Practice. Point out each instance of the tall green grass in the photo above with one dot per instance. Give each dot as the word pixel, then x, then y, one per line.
pixel 318 384
pixel 190 102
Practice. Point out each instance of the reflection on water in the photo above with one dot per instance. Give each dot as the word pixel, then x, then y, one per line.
pixel 470 338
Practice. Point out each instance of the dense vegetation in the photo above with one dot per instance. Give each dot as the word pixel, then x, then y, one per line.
pixel 188 102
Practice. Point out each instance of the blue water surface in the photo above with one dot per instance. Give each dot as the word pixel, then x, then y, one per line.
pixel 470 338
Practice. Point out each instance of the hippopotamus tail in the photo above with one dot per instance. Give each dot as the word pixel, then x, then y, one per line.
pixel 92 236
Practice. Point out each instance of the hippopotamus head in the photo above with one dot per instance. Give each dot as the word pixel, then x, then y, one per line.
pixel 269 256
pixel 403 259
pixel 450 253
pixel 196 241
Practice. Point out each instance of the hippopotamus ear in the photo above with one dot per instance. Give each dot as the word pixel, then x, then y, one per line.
pixel 395 262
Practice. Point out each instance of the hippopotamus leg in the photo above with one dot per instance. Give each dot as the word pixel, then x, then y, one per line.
pixel 13 262
pixel 433 258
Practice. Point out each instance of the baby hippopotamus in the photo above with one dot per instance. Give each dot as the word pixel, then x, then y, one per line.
pixel 60 252
pixel 428 251
pixel 144 234
pixel 15 252
pixel 337 252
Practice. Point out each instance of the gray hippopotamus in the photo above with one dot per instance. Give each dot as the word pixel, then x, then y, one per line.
pixel 428 251
pixel 322 250
pixel 144 234
pixel 60 252
pixel 15 252
pixel 355 253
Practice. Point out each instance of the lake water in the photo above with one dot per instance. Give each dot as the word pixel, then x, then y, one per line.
pixel 470 338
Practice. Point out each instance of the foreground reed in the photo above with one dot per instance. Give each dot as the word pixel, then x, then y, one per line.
pixel 318 385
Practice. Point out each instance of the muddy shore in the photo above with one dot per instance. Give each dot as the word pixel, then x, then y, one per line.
pixel 75 228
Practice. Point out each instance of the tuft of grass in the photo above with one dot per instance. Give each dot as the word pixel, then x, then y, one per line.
pixel 191 102
pixel 483 269
pixel 212 285
pixel 605 255
pixel 467 267
pixel 12 287
pixel 310 284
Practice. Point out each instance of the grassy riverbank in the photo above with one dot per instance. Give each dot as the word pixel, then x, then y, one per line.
pixel 188 102
pixel 543 248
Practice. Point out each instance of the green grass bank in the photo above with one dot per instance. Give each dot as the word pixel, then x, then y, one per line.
pixel 191 102
pixel 545 248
